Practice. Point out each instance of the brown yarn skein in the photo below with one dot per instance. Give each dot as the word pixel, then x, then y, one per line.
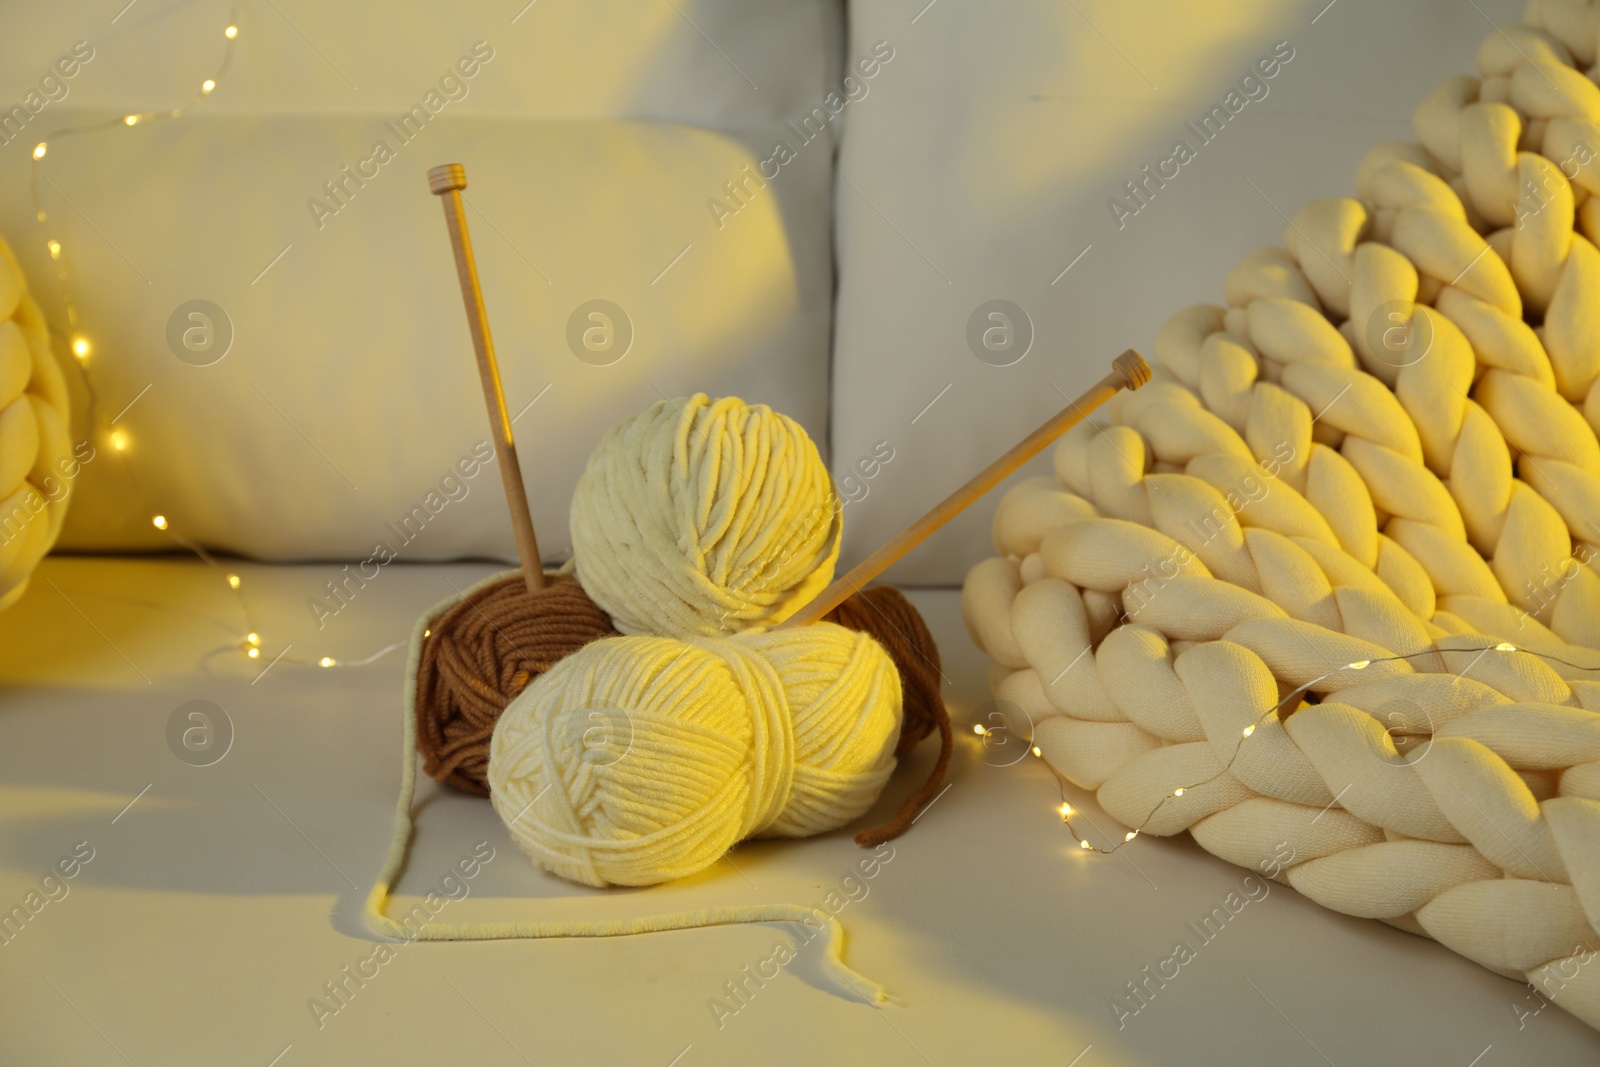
pixel 479 654
pixel 883 612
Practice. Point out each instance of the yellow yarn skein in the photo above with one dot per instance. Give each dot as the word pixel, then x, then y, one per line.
pixel 642 759
pixel 701 517
pixel 37 460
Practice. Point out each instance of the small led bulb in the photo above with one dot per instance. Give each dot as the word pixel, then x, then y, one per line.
pixel 1248 730
pixel 233 581
pixel 326 661
pixel 40 149
pixel 159 522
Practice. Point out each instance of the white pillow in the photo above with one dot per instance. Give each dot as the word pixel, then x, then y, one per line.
pixel 349 398
pixel 352 363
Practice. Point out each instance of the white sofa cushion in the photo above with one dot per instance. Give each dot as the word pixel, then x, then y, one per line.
pixel 350 392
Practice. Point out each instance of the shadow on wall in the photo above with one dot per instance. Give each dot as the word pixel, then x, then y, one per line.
pixel 1026 147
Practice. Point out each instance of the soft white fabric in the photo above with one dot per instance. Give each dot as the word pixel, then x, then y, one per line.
pixel 350 393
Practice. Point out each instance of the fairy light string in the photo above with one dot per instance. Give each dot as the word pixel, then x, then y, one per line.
pixel 82 348
pixel 1067 811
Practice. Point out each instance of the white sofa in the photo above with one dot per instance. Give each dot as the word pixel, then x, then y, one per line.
pixel 610 148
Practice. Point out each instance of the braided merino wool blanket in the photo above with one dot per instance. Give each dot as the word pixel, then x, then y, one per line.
pixel 1332 580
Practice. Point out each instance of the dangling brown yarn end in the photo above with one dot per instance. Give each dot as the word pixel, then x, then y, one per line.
pixel 885 614
pixel 483 652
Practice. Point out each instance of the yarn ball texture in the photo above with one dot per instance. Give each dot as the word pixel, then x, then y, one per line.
pixel 703 517
pixel 481 653
pixel 37 462
pixel 485 649
pixel 885 613
pixel 637 760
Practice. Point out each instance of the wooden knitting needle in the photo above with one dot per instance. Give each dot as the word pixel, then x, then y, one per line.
pixel 447 181
pixel 1128 371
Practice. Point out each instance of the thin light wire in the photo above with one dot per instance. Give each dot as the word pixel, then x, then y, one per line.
pixel 1244 735
pixel 250 645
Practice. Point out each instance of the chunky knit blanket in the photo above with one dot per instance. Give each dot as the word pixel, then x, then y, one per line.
pixel 1329 587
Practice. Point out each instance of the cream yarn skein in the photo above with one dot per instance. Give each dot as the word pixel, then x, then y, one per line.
pixel 702 517
pixel 35 445
pixel 638 760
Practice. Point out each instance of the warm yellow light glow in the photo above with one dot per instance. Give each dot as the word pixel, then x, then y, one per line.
pixel 233 581
pixel 1130 835
pixel 1085 843
pixel 1248 730
pixel 253 637
pixel 55 249
pixel 231 32
pixel 40 149
pixel 1360 663
pixel 1066 810
pixel 207 85
pixel 1505 646
pixel 1037 751
pixel 1178 792
pixel 159 522
pixel 427 633
pixel 253 653
pixel 978 729
pixel 326 661
pixel 131 120
pixel 80 347
pixel 119 440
